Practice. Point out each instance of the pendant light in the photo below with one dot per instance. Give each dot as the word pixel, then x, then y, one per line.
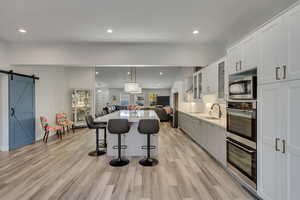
pixel 132 86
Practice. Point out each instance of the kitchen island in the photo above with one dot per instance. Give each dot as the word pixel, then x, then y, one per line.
pixel 133 139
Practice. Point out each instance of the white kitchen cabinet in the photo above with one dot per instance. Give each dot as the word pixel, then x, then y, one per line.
pixel 235 59
pixel 250 53
pixel 269 129
pixel 279 141
pixel 195 83
pixel 199 85
pixel 210 79
pixel 274 51
pixel 210 137
pixel 293 28
pixel 290 139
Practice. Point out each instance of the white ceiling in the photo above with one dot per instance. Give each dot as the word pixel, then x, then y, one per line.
pixel 218 21
pixel 147 77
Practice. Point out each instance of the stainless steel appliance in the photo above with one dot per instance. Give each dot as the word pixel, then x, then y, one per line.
pixel 241 119
pixel 241 140
pixel 241 160
pixel 243 87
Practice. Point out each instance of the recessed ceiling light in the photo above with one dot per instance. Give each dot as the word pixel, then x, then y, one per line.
pixel 109 30
pixel 128 73
pixel 161 73
pixel 99 91
pixel 195 32
pixel 22 30
pixel 97 73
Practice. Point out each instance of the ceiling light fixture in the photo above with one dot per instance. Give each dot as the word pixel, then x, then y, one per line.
pixel 161 73
pixel 128 73
pixel 132 86
pixel 109 30
pixel 97 73
pixel 22 30
pixel 195 32
pixel 99 91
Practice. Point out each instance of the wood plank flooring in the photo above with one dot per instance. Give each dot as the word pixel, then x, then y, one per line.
pixel 63 170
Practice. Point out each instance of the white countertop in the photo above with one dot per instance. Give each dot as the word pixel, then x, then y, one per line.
pixel 202 116
pixel 131 115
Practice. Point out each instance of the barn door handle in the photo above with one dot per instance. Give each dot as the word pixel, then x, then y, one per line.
pixel 12 112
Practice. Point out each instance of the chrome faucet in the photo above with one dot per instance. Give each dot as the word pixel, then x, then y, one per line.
pixel 216 104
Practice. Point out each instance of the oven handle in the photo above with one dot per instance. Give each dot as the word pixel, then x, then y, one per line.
pixel 242 113
pixel 239 146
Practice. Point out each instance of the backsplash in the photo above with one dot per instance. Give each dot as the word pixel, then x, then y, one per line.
pixel 203 106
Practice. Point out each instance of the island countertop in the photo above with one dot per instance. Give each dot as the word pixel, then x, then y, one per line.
pixel 131 115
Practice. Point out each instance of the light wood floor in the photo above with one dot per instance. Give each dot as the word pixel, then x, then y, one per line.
pixel 63 170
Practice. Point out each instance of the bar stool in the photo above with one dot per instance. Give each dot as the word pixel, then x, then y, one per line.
pixel 148 127
pixel 94 125
pixel 118 126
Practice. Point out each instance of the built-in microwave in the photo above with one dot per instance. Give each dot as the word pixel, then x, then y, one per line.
pixel 243 88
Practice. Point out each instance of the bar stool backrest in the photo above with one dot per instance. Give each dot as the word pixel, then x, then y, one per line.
pixel 148 126
pixel 90 121
pixel 118 126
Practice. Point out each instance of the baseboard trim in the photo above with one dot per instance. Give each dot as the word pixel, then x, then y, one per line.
pixel 4 148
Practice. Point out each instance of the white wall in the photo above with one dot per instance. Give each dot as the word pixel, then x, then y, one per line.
pixel 90 54
pixel 51 93
pixel 53 90
pixel 3 99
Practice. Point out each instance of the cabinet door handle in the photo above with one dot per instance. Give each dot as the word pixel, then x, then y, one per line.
pixel 283 146
pixel 284 71
pixel 276 144
pixel 276 73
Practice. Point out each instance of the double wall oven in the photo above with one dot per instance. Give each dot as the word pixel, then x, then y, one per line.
pixel 242 129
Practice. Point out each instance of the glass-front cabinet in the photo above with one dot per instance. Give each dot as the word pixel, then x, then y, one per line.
pixel 81 106
pixel 195 90
pixel 197 85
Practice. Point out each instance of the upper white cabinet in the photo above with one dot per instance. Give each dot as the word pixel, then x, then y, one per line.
pixel 195 81
pixel 234 57
pixel 273 45
pixel 250 53
pixel 206 81
pixel 293 27
pixel 280 47
pixel 244 55
pixel 210 79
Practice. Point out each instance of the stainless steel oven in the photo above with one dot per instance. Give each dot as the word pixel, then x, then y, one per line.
pixel 241 119
pixel 241 160
pixel 242 87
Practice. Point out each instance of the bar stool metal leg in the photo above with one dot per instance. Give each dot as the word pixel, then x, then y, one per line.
pixel 148 161
pixel 119 162
pixel 97 152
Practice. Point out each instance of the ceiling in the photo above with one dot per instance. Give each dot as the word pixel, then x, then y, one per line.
pixel 218 21
pixel 147 77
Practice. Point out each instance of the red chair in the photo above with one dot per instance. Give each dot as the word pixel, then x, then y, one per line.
pixel 47 128
pixel 62 120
